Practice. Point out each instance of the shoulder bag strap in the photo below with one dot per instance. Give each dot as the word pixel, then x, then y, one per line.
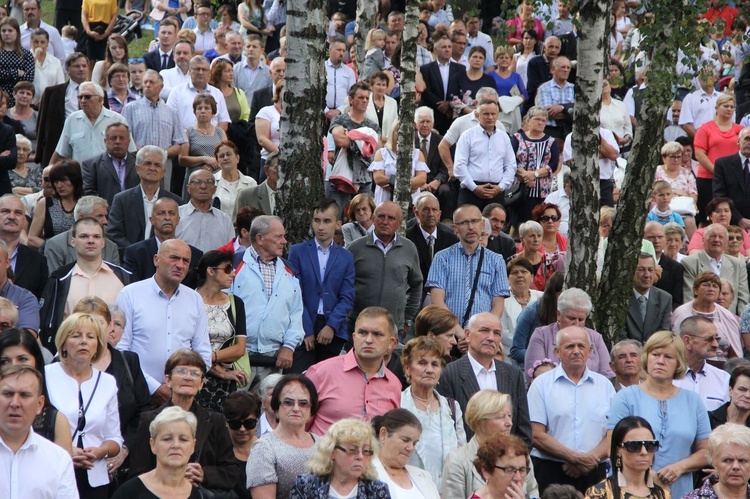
pixel 474 287
pixel 85 409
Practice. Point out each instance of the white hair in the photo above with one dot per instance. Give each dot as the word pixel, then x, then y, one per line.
pixel 424 109
pixel 94 86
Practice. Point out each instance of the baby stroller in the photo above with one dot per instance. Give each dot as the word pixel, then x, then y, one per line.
pixel 129 26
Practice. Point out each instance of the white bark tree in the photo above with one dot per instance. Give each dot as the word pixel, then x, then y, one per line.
pixel 367 19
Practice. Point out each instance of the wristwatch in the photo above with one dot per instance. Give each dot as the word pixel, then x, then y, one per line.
pixel 536 174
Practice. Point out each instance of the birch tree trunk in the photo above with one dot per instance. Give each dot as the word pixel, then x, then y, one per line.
pixel 300 183
pixel 367 19
pixel 402 190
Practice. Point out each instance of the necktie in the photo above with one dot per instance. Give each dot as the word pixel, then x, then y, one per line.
pixel 431 245
pixel 642 306
pixel 423 148
pixel 746 173
pixel 164 61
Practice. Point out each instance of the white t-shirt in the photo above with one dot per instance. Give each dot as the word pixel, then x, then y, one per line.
pixel 271 114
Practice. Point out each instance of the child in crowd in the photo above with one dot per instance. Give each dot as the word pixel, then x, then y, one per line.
pixel 540 367
pixel 69 37
pixel 661 212
pixel 375 57
pixel 441 13
pixel 563 23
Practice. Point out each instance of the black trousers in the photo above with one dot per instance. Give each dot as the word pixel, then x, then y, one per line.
pixel 705 194
pixel 303 358
pixel 465 196
pixel 549 472
pixel 64 17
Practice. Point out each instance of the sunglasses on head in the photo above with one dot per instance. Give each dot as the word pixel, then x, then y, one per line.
pixel 636 445
pixel 249 424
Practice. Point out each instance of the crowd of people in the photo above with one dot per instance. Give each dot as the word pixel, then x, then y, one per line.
pixel 158 337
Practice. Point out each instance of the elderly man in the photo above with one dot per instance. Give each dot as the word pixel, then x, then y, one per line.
pixel 23 453
pixel 441 77
pixel 485 162
pixel 202 225
pixel 498 241
pixel 180 73
pixel 234 43
pixel 538 70
pixel 712 259
pixel 264 96
pixel 558 97
pixel 732 180
pixel 358 384
pixel 427 141
pixel 32 12
pixel 340 79
pixel 162 316
pixel 479 370
pixel 23 299
pixel 29 267
pixel 626 363
pixel 251 74
pixel 702 342
pixel 386 269
pixel 261 197
pixel 649 308
pixel 112 171
pixel 82 133
pixel 272 297
pixel 568 407
pixel 671 271
pixel 465 278
pixel 182 96
pixel 129 218
pixel 59 250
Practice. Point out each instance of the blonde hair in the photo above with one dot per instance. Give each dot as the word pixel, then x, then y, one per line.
pixel 372 35
pixel 724 98
pixel 483 405
pixel 666 339
pixel 502 50
pixel 348 430
pixel 9 310
pixel 74 323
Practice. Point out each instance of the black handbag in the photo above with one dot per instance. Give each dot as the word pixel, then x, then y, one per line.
pixel 513 194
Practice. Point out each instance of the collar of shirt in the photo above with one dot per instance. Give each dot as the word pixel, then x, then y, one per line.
pixel 350 363
pixel 28 444
pixel 156 287
pixel 701 371
pixel 426 234
pixel 420 139
pixel 714 262
pixel 321 249
pixel 477 367
pixel 118 162
pixel 559 372
pixel 446 65
pixel 103 267
pixel 146 199
pixel 190 209
pixel 206 90
pixel 330 64
pixel 162 54
pixel 381 244
pixel 256 256
pixel 638 295
pixel 742 159
pixel 236 244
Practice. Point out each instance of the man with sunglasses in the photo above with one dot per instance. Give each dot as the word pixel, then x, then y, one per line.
pixel 701 339
pixel 568 408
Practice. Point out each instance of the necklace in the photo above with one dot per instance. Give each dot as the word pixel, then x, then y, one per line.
pixel 204 132
pixel 425 402
pixel 523 302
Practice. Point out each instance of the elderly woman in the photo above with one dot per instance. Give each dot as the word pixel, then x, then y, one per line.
pixel 488 413
pixel 25 179
pixel 48 69
pixel 543 264
pixel 719 211
pixel 212 463
pixel 222 77
pixel 88 398
pixel 735 238
pixel 118 325
pixel 278 457
pixel 54 214
pixel 242 410
pixel 549 216
pixel 504 463
pixel 678 415
pixel 382 108
pixel 632 450
pixel 573 306
pixel 229 180
pixel 173 439
pixel 680 178
pixel 342 465
pixel 268 124
pixel 521 295
pixel 729 453
pixel 423 361
pixel 398 432
pixel 727 294
pixel 383 168
pixel 118 95
pixel 675 239
pixel 8 315
pixel 22 112
pixel 737 410
pixel 203 137
pixel 268 420
pixel 361 208
pixel 440 324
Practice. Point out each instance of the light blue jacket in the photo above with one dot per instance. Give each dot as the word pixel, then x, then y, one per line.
pixel 271 323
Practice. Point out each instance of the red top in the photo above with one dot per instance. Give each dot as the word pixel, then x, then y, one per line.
pixel 727 12
pixel 716 143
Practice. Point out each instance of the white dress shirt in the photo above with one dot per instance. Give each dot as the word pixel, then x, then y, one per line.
pixel 482 158
pixel 339 79
pixel 71 98
pixel 172 78
pixel 699 107
pixel 463 123
pixel 47 74
pixel 711 383
pixel 486 379
pixel 181 100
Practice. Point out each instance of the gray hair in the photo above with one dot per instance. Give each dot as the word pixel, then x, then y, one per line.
pixel 269 381
pixel 726 434
pixel 261 225
pixel 422 196
pixel 486 93
pixel 729 283
pixel 424 109
pixel 21 139
pixel 551 39
pixel 94 86
pixel 715 228
pixel 487 225
pixel 574 298
pixel 173 414
pixel 85 206
pixel 148 150
pixel 622 343
pixel 197 59
pixel 154 73
pixel 559 334
pixel 530 226
pixel 689 326
pixel 537 110
pixel 114 309
pixel 674 228
pixel 4 247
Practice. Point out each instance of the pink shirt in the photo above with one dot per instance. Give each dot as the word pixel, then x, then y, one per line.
pixel 344 392
pixel 716 143
pixel 696 243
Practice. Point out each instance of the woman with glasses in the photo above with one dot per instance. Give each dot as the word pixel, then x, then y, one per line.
pixel 279 456
pixel 680 178
pixel 341 466
pixel 25 179
pixel 543 264
pixel 729 453
pixel 226 333
pixel 504 462
pixel 549 217
pixel 632 452
pixel 203 137
pixel 677 416
pixel 242 410
pixel 212 464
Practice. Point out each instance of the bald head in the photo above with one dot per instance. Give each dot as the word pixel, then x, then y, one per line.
pixel 278 69
pixel 654 232
pixel 172 263
pixel 387 218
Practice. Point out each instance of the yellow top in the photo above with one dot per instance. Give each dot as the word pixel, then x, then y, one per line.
pixel 100 11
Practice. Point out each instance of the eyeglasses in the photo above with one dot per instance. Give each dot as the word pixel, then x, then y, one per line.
pixel 86 96
pixel 547 218
pixel 466 223
pixel 634 446
pixel 184 371
pixel 510 470
pixel 45 179
pixel 707 339
pixel 236 424
pixel 226 268
pixel 734 238
pixel 136 60
pixel 203 182
pixel 675 157
pixel 355 451
pixel 289 403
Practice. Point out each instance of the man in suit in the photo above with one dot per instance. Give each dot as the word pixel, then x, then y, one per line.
pixel 56 104
pixel 441 78
pixel 161 57
pixel 429 235
pixel 129 217
pixel 112 171
pixel 499 242
pixel 139 257
pixel 732 180
pixel 264 96
pixel 671 271
pixel 539 70
pixel 325 272
pixel 712 259
pixel 479 370
pixel 263 196
pixel 29 267
pixel 427 140
pixel 650 308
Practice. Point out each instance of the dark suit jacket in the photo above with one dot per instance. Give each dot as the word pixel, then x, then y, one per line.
pixel 336 289
pixel 153 61
pixel 100 177
pixel 458 382
pixel 729 181
pixel 445 239
pixel 503 244
pixel 658 315
pixel 8 162
pixel 671 279
pixel 434 91
pixel 132 392
pixel 31 270
pixel 127 220
pixel 261 98
pixel 537 72
pixel 434 161
pixel 254 197
pixel 49 124
pixel 139 261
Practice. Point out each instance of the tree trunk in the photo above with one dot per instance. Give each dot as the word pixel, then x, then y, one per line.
pixel 402 191
pixel 584 199
pixel 300 183
pixel 367 19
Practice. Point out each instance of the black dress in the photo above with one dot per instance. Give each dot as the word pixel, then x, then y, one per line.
pixel 134 489
pixel 44 422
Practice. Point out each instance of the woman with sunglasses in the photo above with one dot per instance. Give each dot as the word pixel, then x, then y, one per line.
pixel 342 465
pixel 226 333
pixel 242 410
pixel 549 216
pixel 632 452
pixel 729 453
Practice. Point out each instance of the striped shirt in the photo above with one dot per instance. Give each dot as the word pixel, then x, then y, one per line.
pixel 267 270
pixel 154 124
pixel 552 94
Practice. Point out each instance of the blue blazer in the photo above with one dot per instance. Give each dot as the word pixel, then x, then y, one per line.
pixel 336 288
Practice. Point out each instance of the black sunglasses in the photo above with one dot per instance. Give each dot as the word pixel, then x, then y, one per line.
pixel 547 218
pixel 634 446
pixel 227 268
pixel 249 424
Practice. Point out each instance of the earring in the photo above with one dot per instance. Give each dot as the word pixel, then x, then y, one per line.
pixel 618 462
pixel 64 354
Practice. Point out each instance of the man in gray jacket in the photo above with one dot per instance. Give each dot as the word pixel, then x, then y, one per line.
pixel 386 270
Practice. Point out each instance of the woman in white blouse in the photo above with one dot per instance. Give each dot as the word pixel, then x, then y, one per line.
pixel 48 70
pixel 614 116
pixel 520 274
pixel 88 398
pixel 229 180
pixel 268 125
pixel 383 168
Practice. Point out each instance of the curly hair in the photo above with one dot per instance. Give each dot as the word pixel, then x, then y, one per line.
pixel 345 431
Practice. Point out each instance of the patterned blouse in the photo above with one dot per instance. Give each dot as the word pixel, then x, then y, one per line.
pixel 535 154
pixel 603 490
pixel 685 181
pixel 10 65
